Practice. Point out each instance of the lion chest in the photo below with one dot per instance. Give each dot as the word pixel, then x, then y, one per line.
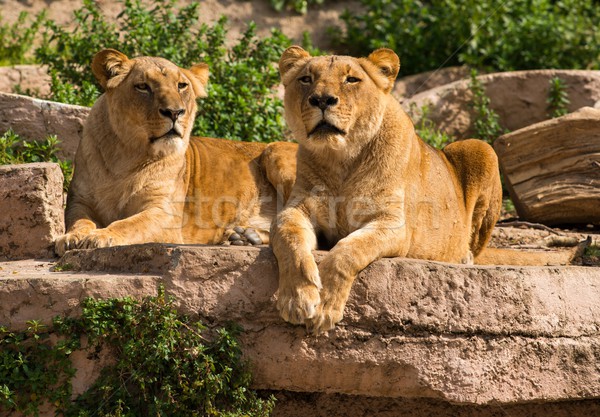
pixel 343 209
pixel 124 197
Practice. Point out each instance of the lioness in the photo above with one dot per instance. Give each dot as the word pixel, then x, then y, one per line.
pixel 367 186
pixel 140 178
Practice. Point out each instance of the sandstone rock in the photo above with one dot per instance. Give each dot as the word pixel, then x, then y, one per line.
pixel 519 98
pixel 411 85
pixel 552 168
pixel 36 119
pixel 412 329
pixel 31 203
pixel 27 77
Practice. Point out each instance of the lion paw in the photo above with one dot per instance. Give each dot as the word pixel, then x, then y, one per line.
pixel 69 241
pixel 240 236
pixel 327 316
pixel 100 238
pixel 298 305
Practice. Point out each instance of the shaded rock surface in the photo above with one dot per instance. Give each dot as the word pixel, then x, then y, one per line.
pixel 335 405
pixel 552 168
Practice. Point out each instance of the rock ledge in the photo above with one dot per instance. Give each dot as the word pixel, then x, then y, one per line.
pixel 412 329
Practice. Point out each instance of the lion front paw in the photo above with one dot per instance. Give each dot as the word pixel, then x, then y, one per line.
pixel 297 305
pixel 328 314
pixel 100 238
pixel 69 241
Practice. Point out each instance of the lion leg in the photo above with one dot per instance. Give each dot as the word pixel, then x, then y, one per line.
pixel 79 222
pixel 345 261
pixel 293 238
pixel 152 225
pixel 476 165
pixel 485 215
pixel 279 163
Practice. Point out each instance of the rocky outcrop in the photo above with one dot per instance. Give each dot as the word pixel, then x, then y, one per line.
pixel 33 78
pixel 412 329
pixel 406 87
pixel 31 207
pixel 519 98
pixel 36 119
pixel 552 168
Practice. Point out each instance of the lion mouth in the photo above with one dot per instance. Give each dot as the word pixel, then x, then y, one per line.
pixel 171 134
pixel 324 127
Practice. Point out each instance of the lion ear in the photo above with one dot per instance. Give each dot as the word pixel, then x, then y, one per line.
pixel 290 57
pixel 110 67
pixel 198 75
pixel 388 64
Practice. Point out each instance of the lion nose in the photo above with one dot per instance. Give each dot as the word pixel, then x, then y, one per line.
pixel 172 114
pixel 323 102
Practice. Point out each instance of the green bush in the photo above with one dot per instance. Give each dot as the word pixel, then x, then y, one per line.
pixel 299 6
pixel 14 150
pixel 427 130
pixel 16 39
pixel 486 122
pixel 502 36
pixel 164 365
pixel 241 105
pixel 558 98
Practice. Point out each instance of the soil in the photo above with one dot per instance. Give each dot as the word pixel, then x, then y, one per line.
pixel 239 12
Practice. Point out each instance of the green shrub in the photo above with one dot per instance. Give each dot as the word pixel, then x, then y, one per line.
pixel 16 40
pixel 164 365
pixel 486 121
pixel 241 105
pixel 14 150
pixel 558 98
pixel 502 36
pixel 33 370
pixel 299 6
pixel 427 130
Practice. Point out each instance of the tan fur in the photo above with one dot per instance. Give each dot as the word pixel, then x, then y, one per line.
pixel 130 187
pixel 369 187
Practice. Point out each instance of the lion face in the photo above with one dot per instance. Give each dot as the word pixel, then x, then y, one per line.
pixel 336 102
pixel 151 101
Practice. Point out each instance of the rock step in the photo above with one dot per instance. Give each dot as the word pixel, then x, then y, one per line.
pixel 31 207
pixel 412 329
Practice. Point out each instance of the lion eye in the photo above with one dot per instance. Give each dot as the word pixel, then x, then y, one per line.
pixel 352 80
pixel 182 86
pixel 143 87
pixel 305 80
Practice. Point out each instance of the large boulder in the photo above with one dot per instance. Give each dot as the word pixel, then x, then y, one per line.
pixel 411 85
pixel 36 119
pixel 552 168
pixel 519 98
